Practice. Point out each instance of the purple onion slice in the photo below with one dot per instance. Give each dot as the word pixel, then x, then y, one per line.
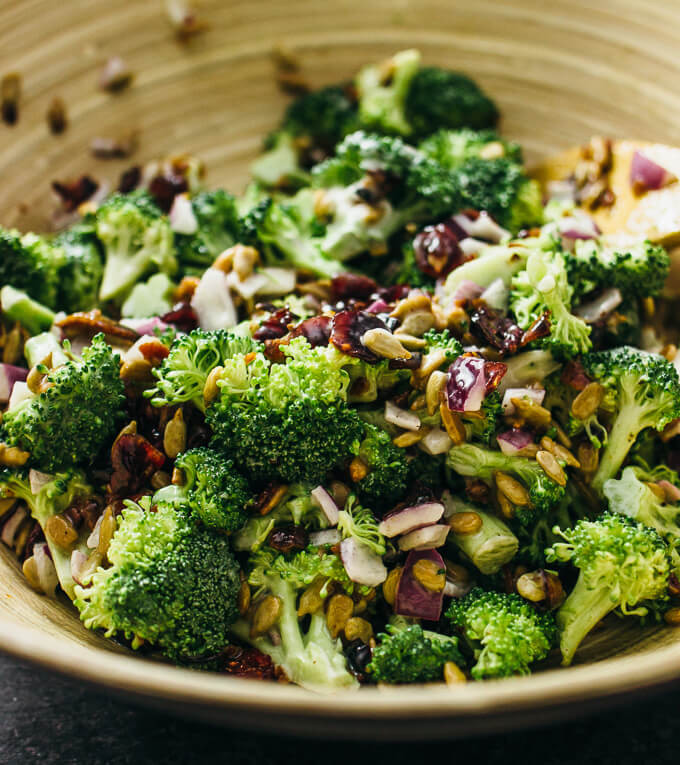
pixel 412 598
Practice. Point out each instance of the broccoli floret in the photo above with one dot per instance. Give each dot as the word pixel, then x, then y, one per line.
pixel 632 497
pixel 542 287
pixel 452 147
pixel 54 496
pixel 620 327
pixel 445 341
pixel 213 491
pixel 440 99
pixel 287 234
pixel 137 239
pixel 412 655
pixel 153 297
pixel 75 416
pixel 31 265
pixel 501 188
pixel 409 272
pixel 171 583
pixel 428 470
pixel 310 656
pixel 383 89
pixel 387 477
pixel 622 564
pixel 218 229
pixel 644 390
pixel 82 268
pixel 476 462
pixel 360 524
pixel 638 270
pixel 312 126
pixel 287 421
pixel 489 548
pixel 182 375
pixel 559 399
pixel 18 306
pixel 506 633
pixel 483 425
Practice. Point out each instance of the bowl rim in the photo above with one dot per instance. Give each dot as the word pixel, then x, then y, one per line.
pixel 148 679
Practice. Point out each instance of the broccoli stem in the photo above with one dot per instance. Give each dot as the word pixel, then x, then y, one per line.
pixel 491 547
pixel 18 306
pixel 579 613
pixel 621 437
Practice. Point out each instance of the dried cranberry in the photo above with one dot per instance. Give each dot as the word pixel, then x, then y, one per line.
pixel 74 193
pixel 394 293
pixel 493 374
pixel 164 189
pixel 247 662
pixel 348 286
pixel 497 330
pixel 35 536
pixel 347 330
pixel 287 539
pixel 276 325
pixel 317 330
pixel 437 251
pixel 181 316
pixel 574 375
pixel 85 510
pixel 134 460
pixel 130 179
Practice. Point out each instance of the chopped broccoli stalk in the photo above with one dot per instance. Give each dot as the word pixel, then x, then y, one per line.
pixel 82 268
pixel 386 481
pixel 54 496
pixel 491 547
pixel 527 367
pixel 213 491
pixel 452 147
pixel 30 264
pixel 476 462
pixel 218 229
pixel 78 413
pixel 150 298
pixel 409 654
pixel 542 287
pixel 638 270
pixel 359 523
pixel 621 564
pixel 440 99
pixel 137 239
pixel 383 89
pixel 645 392
pixel 18 306
pixel 182 375
pixel 39 347
pixel 632 497
pixel 506 633
pixel 495 262
pixel 171 583
pixel 280 166
pixel 310 657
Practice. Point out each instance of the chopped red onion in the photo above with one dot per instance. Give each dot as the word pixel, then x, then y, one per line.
pixel 412 598
pixel 378 306
pixel 78 564
pixel 533 394
pixel 47 574
pixel 513 441
pixel 93 539
pixel 325 537
pixel 496 295
pixel 578 226
pixel 145 326
pixel 400 417
pixel 12 525
pixel 20 392
pixel 323 500
pixel 646 175
pixel 181 215
pixel 671 491
pixel 212 301
pixel 435 442
pixel 482 227
pixel 409 518
pixel 9 374
pixel 471 246
pixel 37 480
pixel 467 290
pixel 602 306
pixel 361 563
pixel 466 384
pixel 457 589
pixel 426 538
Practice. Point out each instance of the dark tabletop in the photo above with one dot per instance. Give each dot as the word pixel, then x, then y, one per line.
pixel 49 720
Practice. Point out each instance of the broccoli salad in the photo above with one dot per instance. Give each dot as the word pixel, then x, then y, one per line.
pixel 397 413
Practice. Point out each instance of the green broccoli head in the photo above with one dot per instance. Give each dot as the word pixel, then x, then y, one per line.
pixel 452 147
pixel 31 265
pixel 506 633
pixel 78 413
pixel 484 425
pixel 359 523
pixel 644 391
pixel 170 583
pixel 218 229
pixel 387 478
pixel 412 655
pixel 542 287
pixel 621 564
pixel 440 99
pixel 82 269
pixel 478 462
pixel 137 239
pixel 182 375
pixel 443 340
pixel 214 491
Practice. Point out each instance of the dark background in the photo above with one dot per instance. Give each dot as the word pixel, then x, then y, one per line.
pixel 49 720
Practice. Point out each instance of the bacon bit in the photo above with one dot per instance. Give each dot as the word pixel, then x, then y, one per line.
pixel 356 286
pixel 347 329
pixel 540 328
pixel 134 461
pixel 130 179
pixel 164 189
pixel 248 662
pixel 84 510
pixel 276 325
pixel 574 375
pixel 493 374
pixel 88 324
pixel 10 92
pixel 73 193
pixel 56 116
pixel 316 329
pixel 498 331
pixel 115 148
pixel 477 491
pixel 115 75
pixel 154 351
pixel 181 316
pixel 272 349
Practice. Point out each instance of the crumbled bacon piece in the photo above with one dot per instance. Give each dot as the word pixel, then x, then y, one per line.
pixel 90 323
pixel 574 375
pixel 248 662
pixel 73 193
pixel 134 461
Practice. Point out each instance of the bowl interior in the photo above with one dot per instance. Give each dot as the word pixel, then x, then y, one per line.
pixel 560 72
